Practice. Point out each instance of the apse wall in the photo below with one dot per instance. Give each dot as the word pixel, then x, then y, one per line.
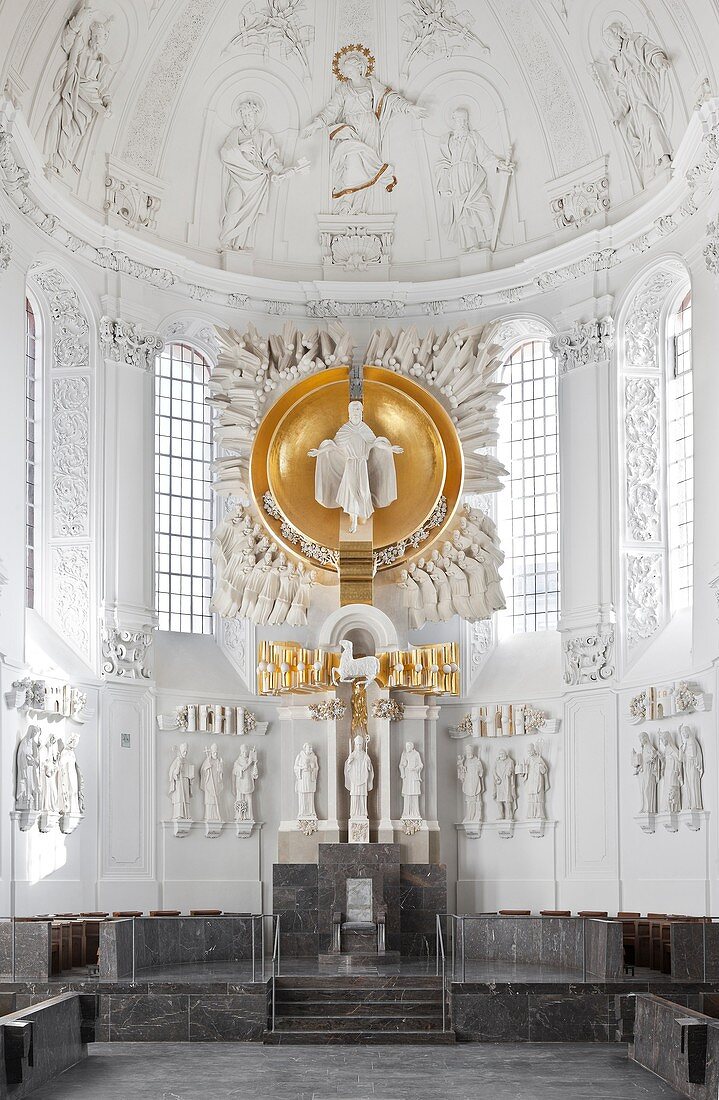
pixel 601 295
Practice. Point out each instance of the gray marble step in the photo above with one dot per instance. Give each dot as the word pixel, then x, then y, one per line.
pixel 358 981
pixel 359 996
pixel 358 1008
pixel 306 1038
pixel 362 1023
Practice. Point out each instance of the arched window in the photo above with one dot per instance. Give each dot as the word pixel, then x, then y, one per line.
pixel 31 463
pixel 680 453
pixel 183 497
pixel 528 508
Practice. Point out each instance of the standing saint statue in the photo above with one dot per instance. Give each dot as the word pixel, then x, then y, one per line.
pixel 638 70
pixel 505 786
pixel 647 763
pixel 251 163
pixel 693 769
pixel 27 771
pixel 671 774
pixel 81 88
pixel 410 768
pixel 470 773
pixel 359 779
pixel 355 470
pixel 358 114
pixel 245 774
pixel 212 783
pixel 70 780
pixel 462 181
pixel 535 773
pixel 306 770
pixel 181 775
pixel 49 788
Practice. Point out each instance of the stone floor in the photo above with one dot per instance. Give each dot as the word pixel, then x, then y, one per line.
pixel 217 1071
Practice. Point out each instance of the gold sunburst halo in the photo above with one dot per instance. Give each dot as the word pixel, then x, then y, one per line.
pixel 357 47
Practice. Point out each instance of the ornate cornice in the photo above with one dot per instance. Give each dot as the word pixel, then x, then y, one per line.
pixel 584 344
pixel 57 216
pixel 124 342
pixel 125 653
pixel 589 656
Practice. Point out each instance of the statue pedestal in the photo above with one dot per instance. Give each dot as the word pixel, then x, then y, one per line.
pixel 356 246
pixel 296 845
pixel 356 562
pixel 472 263
pixel 240 262
pixel 358 830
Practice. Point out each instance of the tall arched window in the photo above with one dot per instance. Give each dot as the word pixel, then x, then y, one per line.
pixel 183 497
pixel 528 509
pixel 31 464
pixel 680 453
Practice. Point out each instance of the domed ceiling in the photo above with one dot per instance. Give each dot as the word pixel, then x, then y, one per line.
pixel 453 138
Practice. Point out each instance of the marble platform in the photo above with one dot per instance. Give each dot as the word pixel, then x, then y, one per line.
pixel 175 941
pixel 591 948
pixel 39 1042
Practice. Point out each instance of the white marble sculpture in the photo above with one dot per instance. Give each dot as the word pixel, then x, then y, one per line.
pixel 410 769
pixel 181 777
pixel 359 778
pixel 470 773
pixel 693 762
pixel 355 470
pixel 251 164
pixel 505 785
pixel 297 615
pixel 71 785
pixel 27 771
pixel 306 771
pixel 49 785
pixel 638 74
pixel 354 668
pixel 462 579
pixel 535 773
pixel 647 764
pixel 472 216
pixel 358 114
pixel 81 92
pixel 245 774
pixel 671 769
pixel 212 782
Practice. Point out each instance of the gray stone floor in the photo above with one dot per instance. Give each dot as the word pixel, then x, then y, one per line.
pixel 211 1071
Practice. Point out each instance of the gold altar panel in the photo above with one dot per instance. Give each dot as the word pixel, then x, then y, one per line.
pixel 314 409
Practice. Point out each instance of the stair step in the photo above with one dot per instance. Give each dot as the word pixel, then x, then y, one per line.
pixel 362 1023
pixel 384 1009
pixel 358 981
pixel 310 1038
pixel 358 996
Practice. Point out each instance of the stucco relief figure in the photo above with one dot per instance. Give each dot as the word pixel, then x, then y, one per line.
pixel 245 774
pixel 212 783
pixel 355 470
pixel 535 773
pixel 70 781
pixel 181 776
pixel 306 771
pixel 505 786
pixel 410 768
pixel 81 88
pixel 412 599
pixel 638 74
pixel 693 762
pixel 463 183
pixel 359 778
pixel 27 771
pixel 470 773
pixel 251 163
pixel 357 115
pixel 647 764
pixel 672 769
pixel 49 789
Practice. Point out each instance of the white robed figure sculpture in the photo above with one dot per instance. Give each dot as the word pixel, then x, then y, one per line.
pixel 410 768
pixel 359 779
pixel 357 116
pixel 355 470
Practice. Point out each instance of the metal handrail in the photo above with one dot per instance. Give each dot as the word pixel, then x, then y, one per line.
pixel 440 948
pixel 275 966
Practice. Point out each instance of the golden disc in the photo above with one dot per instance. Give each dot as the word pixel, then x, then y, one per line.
pixel 313 410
